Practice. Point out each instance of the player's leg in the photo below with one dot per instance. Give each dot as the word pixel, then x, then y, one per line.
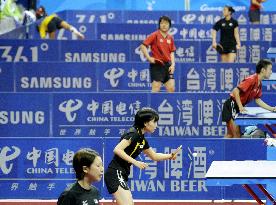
pixel 71 28
pixel 231 57
pixel 170 85
pixel 235 129
pixel 156 86
pixel 229 133
pixel 223 58
pixel 123 197
pixel 52 35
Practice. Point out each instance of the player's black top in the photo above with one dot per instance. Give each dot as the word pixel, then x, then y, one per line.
pixel 226 28
pixel 137 145
pixel 76 195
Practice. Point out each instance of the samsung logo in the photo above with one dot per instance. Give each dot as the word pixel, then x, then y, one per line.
pixel 205 7
pixel 127 37
pixel 56 82
pixel 96 57
pixel 22 117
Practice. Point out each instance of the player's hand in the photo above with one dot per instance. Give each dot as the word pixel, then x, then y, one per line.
pixel 214 45
pixel 171 69
pixel 238 46
pixel 151 60
pixel 243 110
pixel 174 154
pixel 141 165
pixel 273 109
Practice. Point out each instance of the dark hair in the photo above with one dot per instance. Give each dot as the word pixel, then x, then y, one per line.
pixel 230 8
pixel 164 18
pixel 43 10
pixel 144 115
pixel 83 157
pixel 263 63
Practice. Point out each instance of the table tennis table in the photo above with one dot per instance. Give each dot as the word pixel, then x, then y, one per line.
pixel 258 116
pixel 228 173
pixel 271 52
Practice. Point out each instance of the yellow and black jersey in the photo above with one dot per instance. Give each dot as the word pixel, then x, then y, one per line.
pixel 137 145
pixel 49 24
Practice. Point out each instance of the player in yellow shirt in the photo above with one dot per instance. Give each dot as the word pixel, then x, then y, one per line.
pixel 52 23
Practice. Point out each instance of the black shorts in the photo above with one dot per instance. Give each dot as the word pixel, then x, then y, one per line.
pixel 230 110
pixel 254 15
pixel 160 73
pixel 54 24
pixel 114 178
pixel 229 48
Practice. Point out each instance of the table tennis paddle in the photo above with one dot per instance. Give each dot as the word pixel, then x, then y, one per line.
pixel 175 152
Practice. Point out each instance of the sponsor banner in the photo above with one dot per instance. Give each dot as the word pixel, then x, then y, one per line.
pixel 95 114
pixel 145 17
pixel 95 51
pixel 119 51
pixel 28 51
pixel 121 77
pixel 6 77
pixel 181 32
pixel 88 16
pixel 56 77
pixel 24 115
pixel 210 77
pixel 128 77
pixel 250 52
pixel 103 114
pixel 41 168
pixel 165 179
pixel 189 115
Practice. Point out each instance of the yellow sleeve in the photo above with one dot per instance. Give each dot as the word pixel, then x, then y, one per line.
pixel 44 24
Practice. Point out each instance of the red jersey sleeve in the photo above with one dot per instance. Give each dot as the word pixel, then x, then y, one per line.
pixel 246 84
pixel 150 39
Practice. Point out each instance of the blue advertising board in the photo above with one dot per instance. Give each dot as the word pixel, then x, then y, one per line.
pixel 127 77
pixel 166 179
pixel 56 77
pixel 121 77
pixel 181 32
pixel 95 114
pixel 250 52
pixel 41 168
pixel 6 77
pixel 65 51
pixel 25 115
pixel 119 51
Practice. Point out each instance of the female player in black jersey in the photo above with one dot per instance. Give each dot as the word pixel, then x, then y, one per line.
pixel 127 150
pixel 88 166
pixel 229 36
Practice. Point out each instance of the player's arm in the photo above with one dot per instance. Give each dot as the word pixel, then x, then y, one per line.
pixel 120 151
pixel 214 38
pixel 146 53
pixel 236 93
pixel 255 2
pixel 156 156
pixel 237 37
pixel 262 104
pixel 172 67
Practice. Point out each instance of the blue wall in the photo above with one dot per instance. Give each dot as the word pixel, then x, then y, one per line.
pixel 53 6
